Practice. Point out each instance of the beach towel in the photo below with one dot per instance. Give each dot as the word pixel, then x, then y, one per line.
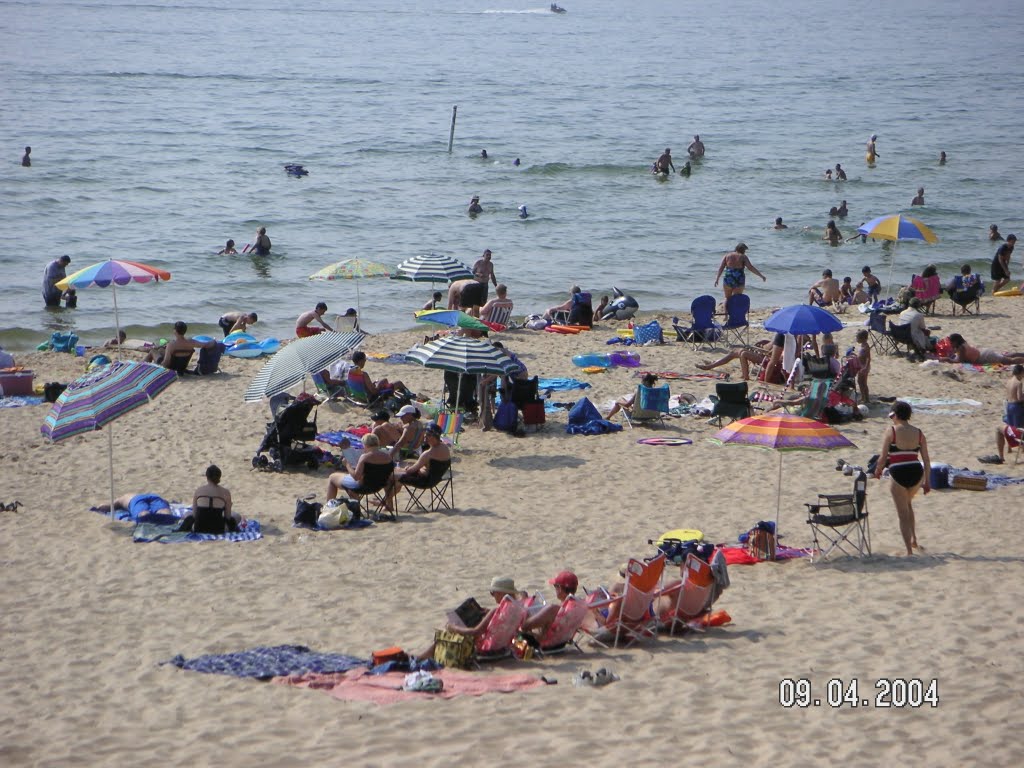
pixel 561 385
pixel 943 406
pixel 361 685
pixel 334 438
pixel 267 662
pixel 704 375
pixel 162 529
pixel 17 401
pixel 388 357
pixel 737 555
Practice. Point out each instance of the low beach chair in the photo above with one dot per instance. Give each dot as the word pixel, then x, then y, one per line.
pixel 878 335
pixel 967 300
pixel 732 401
pixel 179 361
pixel 499 318
pixel 496 640
pixel 817 399
pixel 692 597
pixel 649 404
pixel 841 521
pixel 322 387
pixel 450 423
pixel 561 634
pixel 635 618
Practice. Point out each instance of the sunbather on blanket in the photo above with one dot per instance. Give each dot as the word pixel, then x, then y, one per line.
pixel 758 356
pixel 965 353
pixel 138 504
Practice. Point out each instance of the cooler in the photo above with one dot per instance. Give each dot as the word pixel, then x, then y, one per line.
pixel 16 383
pixel 533 413
pixel 940 476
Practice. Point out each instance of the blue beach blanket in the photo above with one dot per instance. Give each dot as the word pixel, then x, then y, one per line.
pixel 561 385
pixel 334 438
pixel 161 527
pixel 265 662
pixel 17 401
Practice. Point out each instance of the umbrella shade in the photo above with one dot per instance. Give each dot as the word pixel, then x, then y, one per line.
pixel 100 397
pixel 290 366
pixel 454 318
pixel 897 227
pixel 463 355
pixel 783 432
pixel 113 271
pixel 352 269
pixel 803 318
pixel 432 268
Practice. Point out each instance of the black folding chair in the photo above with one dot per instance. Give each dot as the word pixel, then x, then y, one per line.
pixel 841 521
pixel 732 401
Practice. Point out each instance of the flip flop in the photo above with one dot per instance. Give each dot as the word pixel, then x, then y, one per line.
pixel 665 441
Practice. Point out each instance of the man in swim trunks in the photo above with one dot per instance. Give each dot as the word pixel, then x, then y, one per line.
pixel 840 174
pixel 230 322
pixel 826 291
pixel 965 353
pixel 138 505
pixel 466 294
pixel 1001 264
pixel 303 321
pixel 664 163
pixel 262 245
pixel 733 266
pixel 483 271
pixel 696 148
pixel 1011 431
pixel 474 206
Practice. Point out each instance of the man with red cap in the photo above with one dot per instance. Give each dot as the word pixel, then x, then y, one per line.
pixel 565 584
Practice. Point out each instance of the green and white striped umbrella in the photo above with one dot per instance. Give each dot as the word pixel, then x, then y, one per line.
pixel 309 355
pixel 432 268
pixel 462 354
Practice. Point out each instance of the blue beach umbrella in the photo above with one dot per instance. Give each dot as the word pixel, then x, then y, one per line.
pixel 803 319
pixel 99 397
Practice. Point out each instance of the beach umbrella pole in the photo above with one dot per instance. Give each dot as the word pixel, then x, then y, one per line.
pixel 110 457
pixel 778 497
pixel 117 335
pixel 892 265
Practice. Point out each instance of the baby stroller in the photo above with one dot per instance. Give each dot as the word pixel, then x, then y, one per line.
pixel 286 435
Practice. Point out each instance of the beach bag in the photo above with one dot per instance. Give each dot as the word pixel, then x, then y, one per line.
pixel 387 655
pixel 536 323
pixel 307 513
pixel 506 418
pixel 533 413
pixel 52 390
pixel 648 333
pixel 453 650
pixel 63 341
pixel 334 515
pixel 209 359
pixel 761 541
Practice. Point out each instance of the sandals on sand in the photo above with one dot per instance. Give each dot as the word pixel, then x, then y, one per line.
pixel 991 459
pixel 12 507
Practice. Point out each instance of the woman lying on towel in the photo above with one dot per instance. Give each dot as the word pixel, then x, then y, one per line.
pixel 138 505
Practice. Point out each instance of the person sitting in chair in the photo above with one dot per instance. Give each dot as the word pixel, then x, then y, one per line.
pixel 410 442
pixel 499 588
pixel 352 480
pixel 386 431
pixel 430 467
pixel 625 403
pixel 965 286
pixel 538 622
pixel 919 332
pixel 374 389
pixel 565 306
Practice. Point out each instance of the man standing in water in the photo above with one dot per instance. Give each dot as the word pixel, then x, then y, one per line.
pixel 55 271
pixel 262 245
pixel 1000 270
pixel 664 163
pixel 26 161
pixel 483 271
pixel 696 148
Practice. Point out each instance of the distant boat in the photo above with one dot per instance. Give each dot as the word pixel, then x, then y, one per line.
pixel 555 8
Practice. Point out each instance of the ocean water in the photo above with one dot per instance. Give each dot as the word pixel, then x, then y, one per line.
pixel 159 130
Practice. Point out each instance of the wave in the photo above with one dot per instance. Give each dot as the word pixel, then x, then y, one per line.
pixel 600 169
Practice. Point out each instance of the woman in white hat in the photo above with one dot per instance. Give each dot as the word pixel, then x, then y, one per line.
pixel 410 443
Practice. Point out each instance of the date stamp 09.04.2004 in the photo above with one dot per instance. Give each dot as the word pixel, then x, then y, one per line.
pixel 885 693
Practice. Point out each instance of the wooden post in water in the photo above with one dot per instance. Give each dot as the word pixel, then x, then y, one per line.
pixel 451 133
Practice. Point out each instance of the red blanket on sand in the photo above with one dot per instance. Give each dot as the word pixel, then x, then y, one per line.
pixel 360 685
pixel 735 555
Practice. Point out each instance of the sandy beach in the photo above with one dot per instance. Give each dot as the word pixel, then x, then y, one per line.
pixel 89 615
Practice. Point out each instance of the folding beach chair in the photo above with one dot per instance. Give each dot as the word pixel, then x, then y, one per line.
pixel 841 521
pixel 438 483
pixel 901 336
pixel 355 389
pixel 966 298
pixel 736 327
pixel 325 389
pixel 703 332
pixel 817 398
pixel 649 404
pixel 450 423
pixel 732 401
pixel 693 595
pixel 373 491
pixel 879 337
pixel 495 642
pixel 926 290
pixel 499 317
pixel 635 619
pixel 561 634
pixel 179 361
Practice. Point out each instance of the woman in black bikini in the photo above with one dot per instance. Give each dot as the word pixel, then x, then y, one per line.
pixel 905 452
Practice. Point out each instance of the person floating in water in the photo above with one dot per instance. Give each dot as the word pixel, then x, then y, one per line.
pixel 262 245
pixel 228 249
pixel 942 158
pixel 523 213
pixel 840 173
pixel 483 154
pixel 919 198
pixel 664 163
pixel 686 169
pixel 779 224
pixel 26 161
pixel 474 206
pixel 696 148
pixel 871 151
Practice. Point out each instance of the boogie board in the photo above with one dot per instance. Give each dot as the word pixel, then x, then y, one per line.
pixel 680 534
pixel 1008 292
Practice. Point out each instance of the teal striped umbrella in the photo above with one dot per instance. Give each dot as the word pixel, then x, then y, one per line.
pixel 99 397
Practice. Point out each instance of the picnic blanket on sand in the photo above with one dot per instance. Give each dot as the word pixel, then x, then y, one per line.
pixel 737 555
pixel 360 685
pixel 560 385
pixel 17 401
pixel 161 527
pixel 266 662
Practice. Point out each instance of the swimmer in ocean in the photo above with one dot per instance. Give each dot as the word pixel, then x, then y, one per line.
pixel 842 210
pixel 685 170
pixel 664 163
pixel 828 174
pixel 779 224
pixel 919 198
pixel 483 154
pixel 840 173
pixel 942 158
pixel 262 244
pixel 228 249
pixel 696 148
pixel 474 206
pixel 26 161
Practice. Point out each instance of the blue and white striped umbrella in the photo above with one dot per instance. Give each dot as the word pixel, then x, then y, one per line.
pixel 309 355
pixel 462 354
pixel 432 268
pixel 101 396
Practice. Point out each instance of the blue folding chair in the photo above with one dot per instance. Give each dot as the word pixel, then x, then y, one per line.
pixel 736 325
pixel 649 404
pixel 703 332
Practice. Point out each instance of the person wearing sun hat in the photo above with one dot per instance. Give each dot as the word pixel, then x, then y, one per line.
pixel 409 444
pixel 499 587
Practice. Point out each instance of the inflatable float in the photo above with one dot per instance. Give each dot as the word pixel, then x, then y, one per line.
pixel 608 360
pixel 1008 293
pixel 253 348
pixel 622 307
